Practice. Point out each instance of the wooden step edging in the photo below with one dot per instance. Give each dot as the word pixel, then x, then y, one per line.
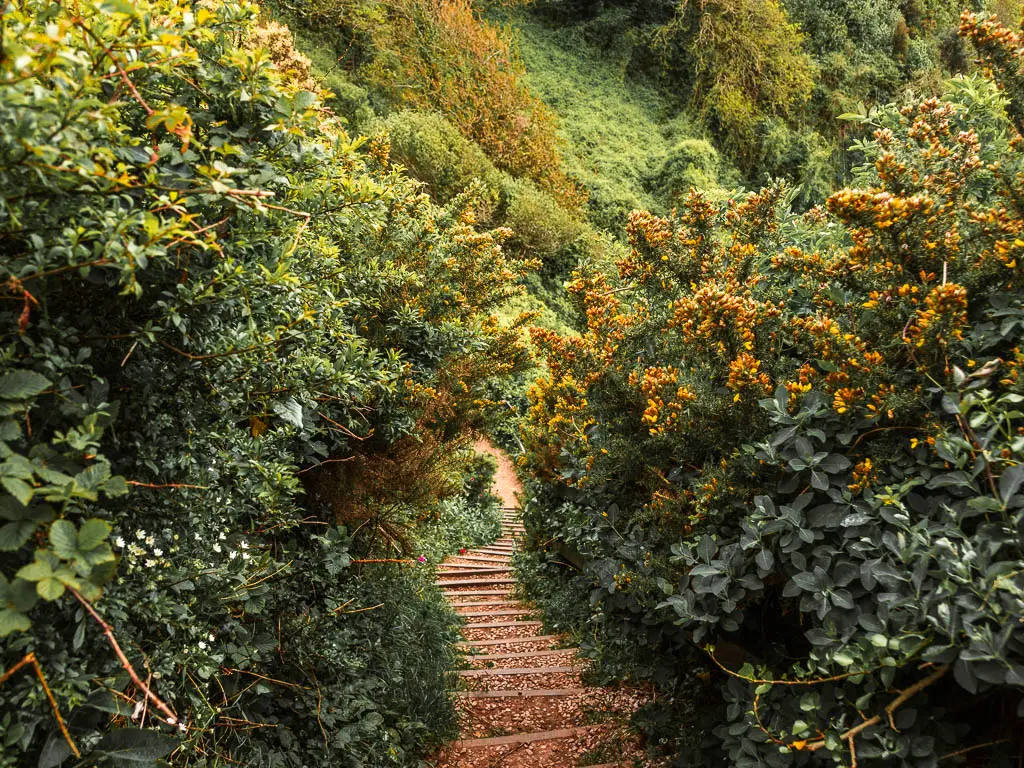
pixel 502 612
pixel 473 571
pixel 508 641
pixel 483 603
pixel 525 738
pixel 502 624
pixel 508 671
pixel 522 694
pixel 519 654
pixel 473 582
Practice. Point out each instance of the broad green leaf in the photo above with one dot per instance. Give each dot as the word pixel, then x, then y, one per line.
pixel 93 533
pixel 14 535
pixel 49 588
pixel 63 538
pixel 13 621
pixel 35 571
pixel 21 385
pixel 19 489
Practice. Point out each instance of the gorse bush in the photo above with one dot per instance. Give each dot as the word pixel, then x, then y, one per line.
pixel 230 339
pixel 793 445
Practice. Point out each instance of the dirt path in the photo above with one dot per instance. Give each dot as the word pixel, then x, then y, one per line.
pixel 523 703
pixel 506 484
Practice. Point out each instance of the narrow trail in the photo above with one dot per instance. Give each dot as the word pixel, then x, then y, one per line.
pixel 523 703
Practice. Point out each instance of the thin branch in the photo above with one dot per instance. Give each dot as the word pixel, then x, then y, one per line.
pixel 971 749
pixel 756 681
pixel 166 485
pixel 30 659
pixel 172 719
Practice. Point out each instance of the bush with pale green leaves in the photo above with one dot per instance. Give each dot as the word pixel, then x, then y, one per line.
pixel 214 300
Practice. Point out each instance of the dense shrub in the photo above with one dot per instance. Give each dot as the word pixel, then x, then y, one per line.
pixel 540 226
pixel 793 445
pixel 692 164
pixel 239 356
pixel 437 154
pixel 742 61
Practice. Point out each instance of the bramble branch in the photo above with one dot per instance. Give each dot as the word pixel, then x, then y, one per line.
pixel 30 659
pixel 172 719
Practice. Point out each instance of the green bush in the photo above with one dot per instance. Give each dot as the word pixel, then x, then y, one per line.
pixel 437 154
pixel 692 164
pixel 540 226
pixel 231 340
pixel 788 451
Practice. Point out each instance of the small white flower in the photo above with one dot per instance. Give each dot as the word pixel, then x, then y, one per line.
pixel 245 545
pixel 211 637
pixel 150 563
pixel 245 556
pixel 198 537
pixel 233 555
pixel 158 552
pixel 119 542
pixel 182 727
pixel 216 548
pixel 222 536
pixel 140 534
pixel 202 645
pixel 150 540
pixel 136 550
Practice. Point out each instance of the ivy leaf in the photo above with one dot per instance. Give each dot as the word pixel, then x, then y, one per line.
pixel 290 411
pixel 21 385
pixel 819 480
pixel 63 538
pixel 1010 482
pixel 136 745
pixel 706 549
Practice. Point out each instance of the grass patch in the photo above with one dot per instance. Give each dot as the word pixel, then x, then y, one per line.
pixel 618 131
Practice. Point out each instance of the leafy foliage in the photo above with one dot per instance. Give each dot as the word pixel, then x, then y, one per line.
pixel 792 444
pixel 231 337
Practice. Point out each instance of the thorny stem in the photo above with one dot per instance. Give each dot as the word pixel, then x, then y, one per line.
pixel 30 659
pixel 172 719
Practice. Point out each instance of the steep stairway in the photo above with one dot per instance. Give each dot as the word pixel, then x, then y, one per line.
pixel 523 703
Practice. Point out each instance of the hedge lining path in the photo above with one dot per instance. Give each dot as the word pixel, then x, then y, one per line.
pixel 523 703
